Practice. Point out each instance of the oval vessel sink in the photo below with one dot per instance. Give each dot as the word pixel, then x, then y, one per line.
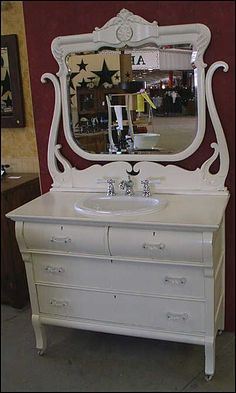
pixel 120 204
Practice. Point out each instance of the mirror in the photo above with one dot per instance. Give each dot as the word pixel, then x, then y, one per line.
pixel 132 90
pixel 112 114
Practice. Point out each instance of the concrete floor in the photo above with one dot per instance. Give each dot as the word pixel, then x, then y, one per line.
pixel 82 361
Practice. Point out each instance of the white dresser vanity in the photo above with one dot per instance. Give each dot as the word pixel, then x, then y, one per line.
pixel 130 247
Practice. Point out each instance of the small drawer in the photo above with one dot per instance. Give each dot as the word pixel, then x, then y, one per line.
pixel 129 310
pixel 159 279
pixel 160 245
pixel 72 271
pixel 66 238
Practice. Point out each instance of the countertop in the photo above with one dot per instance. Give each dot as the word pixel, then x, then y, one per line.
pixel 195 211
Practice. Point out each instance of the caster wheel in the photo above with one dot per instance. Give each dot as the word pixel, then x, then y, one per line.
pixel 208 377
pixel 220 332
pixel 40 352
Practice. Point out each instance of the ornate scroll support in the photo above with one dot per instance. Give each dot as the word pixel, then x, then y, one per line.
pixel 220 148
pixel 60 178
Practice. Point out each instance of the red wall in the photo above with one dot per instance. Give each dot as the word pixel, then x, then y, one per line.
pixel 45 20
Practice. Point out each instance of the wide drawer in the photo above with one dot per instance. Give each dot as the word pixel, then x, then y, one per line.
pixel 129 276
pixel 66 238
pixel 131 310
pixel 161 245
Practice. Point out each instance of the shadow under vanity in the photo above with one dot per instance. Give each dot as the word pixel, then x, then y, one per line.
pixel 130 247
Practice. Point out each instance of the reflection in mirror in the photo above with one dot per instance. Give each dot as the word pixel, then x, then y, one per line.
pixel 133 101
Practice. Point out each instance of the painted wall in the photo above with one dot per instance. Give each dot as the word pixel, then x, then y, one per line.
pixel 46 20
pixel 18 145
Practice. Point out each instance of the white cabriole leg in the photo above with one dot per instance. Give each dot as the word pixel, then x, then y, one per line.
pixel 209 307
pixel 27 258
pixel 39 329
pixel 209 359
pixel 221 324
pixel 40 334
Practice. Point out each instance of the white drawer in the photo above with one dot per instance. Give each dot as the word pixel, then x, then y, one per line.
pixel 160 245
pixel 84 272
pixel 129 276
pixel 130 310
pixel 66 238
pixel 154 278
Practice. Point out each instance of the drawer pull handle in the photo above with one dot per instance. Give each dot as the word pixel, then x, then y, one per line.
pixel 53 269
pixel 177 317
pixel 58 303
pixel 61 239
pixel 175 280
pixel 151 247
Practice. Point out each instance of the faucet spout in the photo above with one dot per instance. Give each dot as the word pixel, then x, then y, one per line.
pixel 127 186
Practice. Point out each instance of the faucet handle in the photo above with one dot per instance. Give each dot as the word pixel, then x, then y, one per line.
pixel 146 187
pixel 110 189
pixel 110 182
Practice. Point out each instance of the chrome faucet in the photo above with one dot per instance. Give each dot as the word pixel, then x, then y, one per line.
pixel 110 188
pixel 127 185
pixel 146 188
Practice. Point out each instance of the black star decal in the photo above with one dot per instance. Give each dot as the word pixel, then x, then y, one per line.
pixel 105 75
pixel 5 83
pixel 127 75
pixel 117 77
pixel 82 65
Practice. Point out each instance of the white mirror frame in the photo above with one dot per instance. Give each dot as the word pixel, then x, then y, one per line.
pixel 134 31
pixel 129 29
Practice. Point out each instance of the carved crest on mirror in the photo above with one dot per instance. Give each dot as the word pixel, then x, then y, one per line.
pixel 123 34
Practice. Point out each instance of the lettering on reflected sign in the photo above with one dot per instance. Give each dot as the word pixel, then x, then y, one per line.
pixel 142 60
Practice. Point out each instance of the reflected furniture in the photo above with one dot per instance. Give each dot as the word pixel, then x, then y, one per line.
pixel 118 125
pixel 93 101
pixel 16 189
pixel 93 142
pixel 155 273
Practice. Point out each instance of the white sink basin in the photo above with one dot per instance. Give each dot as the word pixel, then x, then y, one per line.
pixel 119 204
